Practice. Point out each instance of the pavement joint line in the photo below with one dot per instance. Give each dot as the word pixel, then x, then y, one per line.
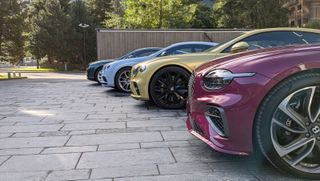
pixel 6 160
pixel 78 161
pixel 67 140
pixel 175 160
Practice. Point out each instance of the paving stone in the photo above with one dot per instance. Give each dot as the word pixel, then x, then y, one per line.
pixel 21 135
pixel 197 154
pixel 32 142
pixel 115 138
pixel 54 133
pixel 47 122
pixel 193 177
pixel 82 132
pixel 125 157
pixel 184 168
pixel 273 174
pixel 70 149
pixel 176 135
pixel 124 171
pixel 21 151
pixel 30 128
pixel 165 144
pixel 23 119
pixel 68 175
pixel 125 146
pixel 88 126
pixel 5 135
pixel 23 176
pixel 157 123
pixel 41 162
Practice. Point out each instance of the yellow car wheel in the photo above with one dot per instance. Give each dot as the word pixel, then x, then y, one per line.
pixel 169 88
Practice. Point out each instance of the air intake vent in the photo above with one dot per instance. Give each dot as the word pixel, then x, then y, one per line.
pixel 215 117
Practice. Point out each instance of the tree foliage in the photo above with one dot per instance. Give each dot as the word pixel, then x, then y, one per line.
pixel 55 31
pixel 313 24
pixel 12 26
pixel 250 13
pixel 150 14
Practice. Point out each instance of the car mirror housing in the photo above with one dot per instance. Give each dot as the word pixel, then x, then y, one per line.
pixel 164 53
pixel 240 47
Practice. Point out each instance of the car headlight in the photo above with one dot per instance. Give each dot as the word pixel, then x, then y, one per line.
pixel 140 68
pixel 219 79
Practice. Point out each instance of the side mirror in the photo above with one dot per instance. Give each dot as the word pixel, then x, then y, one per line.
pixel 164 53
pixel 240 47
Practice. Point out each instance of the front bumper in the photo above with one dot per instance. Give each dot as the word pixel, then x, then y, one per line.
pixel 90 74
pixel 139 88
pixel 236 106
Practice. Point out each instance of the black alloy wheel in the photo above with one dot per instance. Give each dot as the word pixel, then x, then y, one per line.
pixel 169 88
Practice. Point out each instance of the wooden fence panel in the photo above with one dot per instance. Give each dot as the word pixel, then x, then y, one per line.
pixel 115 43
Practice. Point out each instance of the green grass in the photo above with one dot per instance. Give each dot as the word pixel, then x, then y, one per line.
pixel 34 69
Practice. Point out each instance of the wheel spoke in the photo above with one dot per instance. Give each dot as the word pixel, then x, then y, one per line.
pixel 310 101
pixel 304 154
pixel 179 96
pixel 290 113
pixel 283 151
pixel 275 121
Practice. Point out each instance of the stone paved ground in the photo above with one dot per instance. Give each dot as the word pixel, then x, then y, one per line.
pixel 62 127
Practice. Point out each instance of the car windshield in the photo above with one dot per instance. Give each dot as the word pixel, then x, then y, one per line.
pixel 221 44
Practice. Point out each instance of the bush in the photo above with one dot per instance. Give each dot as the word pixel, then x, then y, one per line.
pixel 313 24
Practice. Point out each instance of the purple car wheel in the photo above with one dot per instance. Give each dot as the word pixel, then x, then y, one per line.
pixel 288 126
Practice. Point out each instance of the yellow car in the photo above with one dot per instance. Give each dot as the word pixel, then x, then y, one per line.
pixel 165 80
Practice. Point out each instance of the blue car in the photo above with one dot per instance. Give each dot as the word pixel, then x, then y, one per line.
pixel 94 69
pixel 117 74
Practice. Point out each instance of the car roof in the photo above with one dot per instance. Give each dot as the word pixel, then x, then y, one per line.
pixel 227 44
pixel 195 43
pixel 148 48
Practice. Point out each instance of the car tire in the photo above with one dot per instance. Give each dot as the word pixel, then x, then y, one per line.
pixel 96 74
pixel 122 80
pixel 169 88
pixel 283 134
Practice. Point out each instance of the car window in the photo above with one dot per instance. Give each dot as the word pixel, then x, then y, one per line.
pixel 201 48
pixel 310 38
pixel 271 39
pixel 182 49
pixel 146 52
pixel 141 53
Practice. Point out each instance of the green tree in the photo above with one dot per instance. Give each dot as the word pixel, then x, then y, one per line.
pixel 80 14
pixel 203 17
pixel 50 30
pixel 313 24
pixel 12 25
pixel 98 10
pixel 250 13
pixel 155 14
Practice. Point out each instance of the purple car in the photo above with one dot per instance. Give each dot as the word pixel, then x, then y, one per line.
pixel 267 100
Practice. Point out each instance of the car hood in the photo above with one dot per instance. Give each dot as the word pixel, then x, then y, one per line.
pixel 99 62
pixel 130 61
